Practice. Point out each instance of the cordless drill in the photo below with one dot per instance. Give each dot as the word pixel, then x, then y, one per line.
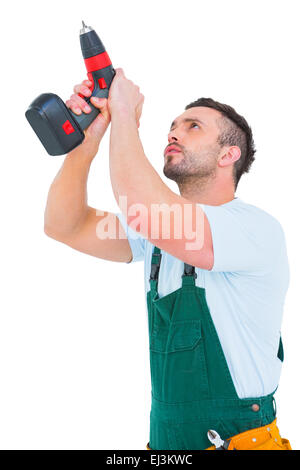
pixel 58 128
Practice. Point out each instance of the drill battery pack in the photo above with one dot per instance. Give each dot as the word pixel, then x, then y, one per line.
pixel 54 125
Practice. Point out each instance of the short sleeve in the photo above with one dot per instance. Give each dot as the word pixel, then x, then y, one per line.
pixel 245 238
pixel 136 241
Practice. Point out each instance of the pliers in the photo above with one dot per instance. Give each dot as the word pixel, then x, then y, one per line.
pixel 217 441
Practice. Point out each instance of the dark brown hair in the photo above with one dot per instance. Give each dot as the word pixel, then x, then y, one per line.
pixel 234 130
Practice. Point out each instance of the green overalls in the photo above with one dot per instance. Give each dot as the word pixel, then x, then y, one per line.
pixel 192 389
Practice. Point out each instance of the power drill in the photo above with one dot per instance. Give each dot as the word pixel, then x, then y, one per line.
pixel 58 128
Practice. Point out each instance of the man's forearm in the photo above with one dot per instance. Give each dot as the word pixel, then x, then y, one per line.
pixel 132 175
pixel 67 199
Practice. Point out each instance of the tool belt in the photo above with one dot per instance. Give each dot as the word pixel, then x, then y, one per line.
pixel 264 438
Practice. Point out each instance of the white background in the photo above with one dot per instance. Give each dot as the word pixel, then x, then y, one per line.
pixel 73 336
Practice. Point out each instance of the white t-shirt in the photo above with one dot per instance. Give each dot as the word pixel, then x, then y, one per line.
pixel 245 290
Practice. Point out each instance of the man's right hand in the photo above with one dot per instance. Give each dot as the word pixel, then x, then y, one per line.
pixel 96 130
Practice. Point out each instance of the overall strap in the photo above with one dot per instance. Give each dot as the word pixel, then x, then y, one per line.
pixel 155 265
pixel 189 275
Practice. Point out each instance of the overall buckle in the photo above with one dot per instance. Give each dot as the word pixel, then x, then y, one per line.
pixel 194 275
pixel 189 270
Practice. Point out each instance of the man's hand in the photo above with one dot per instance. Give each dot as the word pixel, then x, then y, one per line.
pixel 125 96
pixel 97 129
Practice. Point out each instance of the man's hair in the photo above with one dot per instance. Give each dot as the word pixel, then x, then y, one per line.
pixel 234 130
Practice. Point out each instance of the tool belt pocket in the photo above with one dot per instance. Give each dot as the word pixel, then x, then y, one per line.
pixel 182 335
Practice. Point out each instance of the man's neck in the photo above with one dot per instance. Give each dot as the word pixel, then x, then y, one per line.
pixel 210 192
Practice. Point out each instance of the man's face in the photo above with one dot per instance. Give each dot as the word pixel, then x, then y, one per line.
pixel 194 135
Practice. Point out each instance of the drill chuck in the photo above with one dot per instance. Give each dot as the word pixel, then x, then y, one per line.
pixel 90 42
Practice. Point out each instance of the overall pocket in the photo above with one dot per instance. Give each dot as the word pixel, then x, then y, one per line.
pixel 179 336
pixel 178 366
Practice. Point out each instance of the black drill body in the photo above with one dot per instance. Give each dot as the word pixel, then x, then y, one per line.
pixel 58 128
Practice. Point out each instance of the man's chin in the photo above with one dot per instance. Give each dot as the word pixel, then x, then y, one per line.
pixel 170 173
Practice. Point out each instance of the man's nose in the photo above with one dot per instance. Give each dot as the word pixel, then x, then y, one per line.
pixel 172 137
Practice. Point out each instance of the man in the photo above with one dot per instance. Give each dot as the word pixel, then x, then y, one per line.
pixel 216 268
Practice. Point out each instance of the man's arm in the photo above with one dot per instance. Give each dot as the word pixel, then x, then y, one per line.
pixel 133 176
pixel 68 218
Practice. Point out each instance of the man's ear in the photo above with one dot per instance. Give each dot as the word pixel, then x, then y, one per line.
pixel 230 156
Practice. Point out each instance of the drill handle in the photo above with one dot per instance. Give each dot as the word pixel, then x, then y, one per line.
pixel 85 119
pixel 101 84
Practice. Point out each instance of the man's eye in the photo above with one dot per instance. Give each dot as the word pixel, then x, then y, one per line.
pixel 194 124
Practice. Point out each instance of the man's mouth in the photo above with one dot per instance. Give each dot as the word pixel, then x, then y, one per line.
pixel 172 149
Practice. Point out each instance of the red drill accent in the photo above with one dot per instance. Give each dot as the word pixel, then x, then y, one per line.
pixel 91 78
pixel 97 62
pixel 68 128
pixel 102 83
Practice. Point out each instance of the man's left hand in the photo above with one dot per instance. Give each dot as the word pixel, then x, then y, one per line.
pixel 125 96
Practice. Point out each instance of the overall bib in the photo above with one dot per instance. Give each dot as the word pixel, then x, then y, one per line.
pixel 192 389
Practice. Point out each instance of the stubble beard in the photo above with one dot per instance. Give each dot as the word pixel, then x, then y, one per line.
pixel 199 166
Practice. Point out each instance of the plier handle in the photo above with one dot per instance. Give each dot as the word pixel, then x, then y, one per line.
pixel 217 441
